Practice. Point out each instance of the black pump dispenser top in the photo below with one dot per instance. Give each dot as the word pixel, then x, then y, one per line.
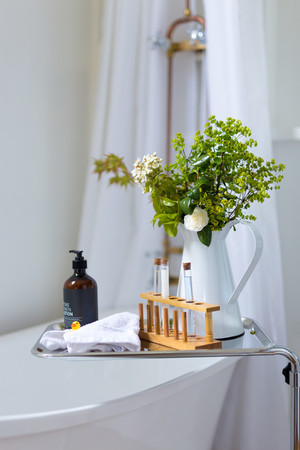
pixel 79 262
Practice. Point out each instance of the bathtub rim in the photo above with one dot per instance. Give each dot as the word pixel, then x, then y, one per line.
pixel 34 423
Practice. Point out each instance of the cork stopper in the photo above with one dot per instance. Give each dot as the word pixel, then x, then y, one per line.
pixel 157 261
pixel 186 266
pixel 164 262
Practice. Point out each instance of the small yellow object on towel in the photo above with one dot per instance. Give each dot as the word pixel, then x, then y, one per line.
pixel 75 325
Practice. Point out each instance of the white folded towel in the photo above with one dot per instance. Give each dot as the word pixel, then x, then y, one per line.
pixel 118 333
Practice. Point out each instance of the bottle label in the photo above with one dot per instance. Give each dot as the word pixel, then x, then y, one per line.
pixel 80 305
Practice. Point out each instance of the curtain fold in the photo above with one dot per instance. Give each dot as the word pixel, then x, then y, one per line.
pixel 237 86
pixel 130 120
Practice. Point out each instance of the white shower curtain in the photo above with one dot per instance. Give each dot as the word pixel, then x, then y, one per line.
pixel 131 84
pixel 130 120
pixel 255 414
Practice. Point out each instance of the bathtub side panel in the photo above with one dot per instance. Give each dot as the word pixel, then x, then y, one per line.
pixel 185 419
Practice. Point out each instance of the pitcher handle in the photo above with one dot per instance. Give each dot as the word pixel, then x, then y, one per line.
pixel 252 265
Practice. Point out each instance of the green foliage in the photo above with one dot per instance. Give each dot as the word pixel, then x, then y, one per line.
pixel 205 235
pixel 115 165
pixel 220 174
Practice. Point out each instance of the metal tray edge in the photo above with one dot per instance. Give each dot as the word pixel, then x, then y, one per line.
pixel 249 324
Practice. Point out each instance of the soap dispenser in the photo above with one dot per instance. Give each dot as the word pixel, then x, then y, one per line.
pixel 80 294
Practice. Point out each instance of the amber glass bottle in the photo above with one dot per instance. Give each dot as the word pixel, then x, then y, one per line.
pixel 80 294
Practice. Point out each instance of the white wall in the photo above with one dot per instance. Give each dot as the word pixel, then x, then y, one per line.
pixel 288 204
pixel 48 53
pixel 283 38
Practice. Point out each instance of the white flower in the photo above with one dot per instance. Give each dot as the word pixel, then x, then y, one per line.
pixel 196 221
pixel 145 168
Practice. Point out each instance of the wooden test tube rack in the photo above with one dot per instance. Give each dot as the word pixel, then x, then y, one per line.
pixel 172 338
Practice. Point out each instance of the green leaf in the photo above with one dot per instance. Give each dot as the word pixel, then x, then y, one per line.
pixel 171 229
pixel 164 221
pixel 192 177
pixel 186 205
pixel 164 215
pixel 168 202
pixel 156 203
pixel 201 162
pixel 204 181
pixel 164 218
pixel 194 194
pixel 205 235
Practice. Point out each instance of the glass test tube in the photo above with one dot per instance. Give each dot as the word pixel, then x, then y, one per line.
pixel 188 287
pixel 165 284
pixel 164 278
pixel 157 276
pixel 157 281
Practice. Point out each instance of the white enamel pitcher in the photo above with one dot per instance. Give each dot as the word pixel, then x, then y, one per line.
pixel 213 280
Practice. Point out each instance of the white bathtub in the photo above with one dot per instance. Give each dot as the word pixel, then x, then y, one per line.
pixel 113 404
